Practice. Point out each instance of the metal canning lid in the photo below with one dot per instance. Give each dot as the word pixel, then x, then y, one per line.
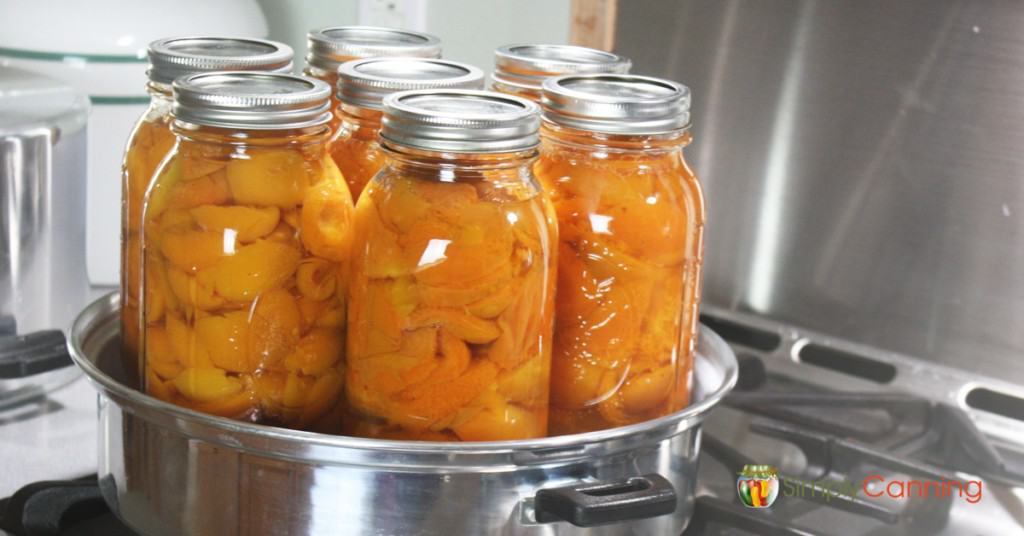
pixel 366 82
pixel 330 47
pixel 178 56
pixel 617 103
pixel 527 66
pixel 460 121
pixel 252 100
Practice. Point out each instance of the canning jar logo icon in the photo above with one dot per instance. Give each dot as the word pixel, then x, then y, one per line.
pixel 758 485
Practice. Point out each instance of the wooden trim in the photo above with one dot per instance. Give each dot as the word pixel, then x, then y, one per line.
pixel 593 23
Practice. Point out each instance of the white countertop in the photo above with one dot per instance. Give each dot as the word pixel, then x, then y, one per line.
pixel 51 438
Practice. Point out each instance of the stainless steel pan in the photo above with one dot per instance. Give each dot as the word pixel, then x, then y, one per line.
pixel 166 470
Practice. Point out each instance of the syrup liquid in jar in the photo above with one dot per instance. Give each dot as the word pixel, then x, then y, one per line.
pixel 452 294
pixel 362 86
pixel 152 139
pixel 521 70
pixel 631 220
pixel 246 242
pixel 330 47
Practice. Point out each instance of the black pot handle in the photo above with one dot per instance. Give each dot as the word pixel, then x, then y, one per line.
pixel 33 353
pixel 599 503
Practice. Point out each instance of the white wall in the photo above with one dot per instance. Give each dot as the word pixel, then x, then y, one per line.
pixel 470 30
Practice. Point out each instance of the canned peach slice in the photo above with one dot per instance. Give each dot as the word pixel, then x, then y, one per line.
pixel 420 406
pixel 247 223
pixel 194 291
pixel 521 383
pixel 315 353
pixel 494 304
pixel 315 279
pixel 201 159
pixel 186 346
pixel 466 327
pixel 326 220
pixel 206 384
pixel 160 355
pixel 274 177
pixel 194 250
pixel 274 328
pixel 226 338
pixel 647 391
pixel 324 393
pixel 504 422
pixel 208 190
pixel 255 268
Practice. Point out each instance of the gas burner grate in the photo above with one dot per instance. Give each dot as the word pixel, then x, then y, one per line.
pixel 903 425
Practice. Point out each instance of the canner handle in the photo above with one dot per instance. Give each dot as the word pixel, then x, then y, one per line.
pixel 599 503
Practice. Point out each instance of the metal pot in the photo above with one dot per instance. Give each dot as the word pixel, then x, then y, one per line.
pixel 43 284
pixel 166 470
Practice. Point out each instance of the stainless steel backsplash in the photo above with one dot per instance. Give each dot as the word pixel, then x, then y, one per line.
pixel 863 163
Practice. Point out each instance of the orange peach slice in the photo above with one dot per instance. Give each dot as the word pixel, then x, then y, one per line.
pixel 326 220
pixel 194 291
pixel 159 354
pixel 316 352
pixel 209 190
pixel 422 405
pixel 206 384
pixel 527 383
pixel 186 346
pixel 255 268
pixel 466 327
pixel 647 391
pixel 315 279
pixel 274 329
pixel 226 338
pixel 502 423
pixel 248 223
pixel 274 177
pixel 324 394
pixel 191 251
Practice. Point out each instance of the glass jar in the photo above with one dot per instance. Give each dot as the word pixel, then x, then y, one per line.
pixel 362 86
pixel 631 221
pixel 246 238
pixel 152 139
pixel 451 303
pixel 331 47
pixel 521 69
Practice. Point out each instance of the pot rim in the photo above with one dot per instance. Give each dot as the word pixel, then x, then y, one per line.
pixel 100 318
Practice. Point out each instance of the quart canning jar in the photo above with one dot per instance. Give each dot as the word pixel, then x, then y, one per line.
pixel 453 280
pixel 522 69
pixel 362 86
pixel 246 238
pixel 152 139
pixel 331 47
pixel 631 220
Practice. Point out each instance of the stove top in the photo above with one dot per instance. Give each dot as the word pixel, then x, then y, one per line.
pixel 849 453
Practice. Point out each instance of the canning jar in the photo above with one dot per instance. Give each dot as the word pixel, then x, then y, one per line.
pixel 246 237
pixel 152 139
pixel 451 303
pixel 631 220
pixel 333 46
pixel 362 86
pixel 521 69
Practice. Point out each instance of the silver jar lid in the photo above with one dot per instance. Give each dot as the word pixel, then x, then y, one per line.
pixel 617 103
pixel 527 66
pixel 460 121
pixel 177 56
pixel 330 47
pixel 252 100
pixel 366 82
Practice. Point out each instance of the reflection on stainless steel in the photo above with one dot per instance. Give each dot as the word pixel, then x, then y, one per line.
pixel 863 165
pixel 166 470
pixel 43 284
